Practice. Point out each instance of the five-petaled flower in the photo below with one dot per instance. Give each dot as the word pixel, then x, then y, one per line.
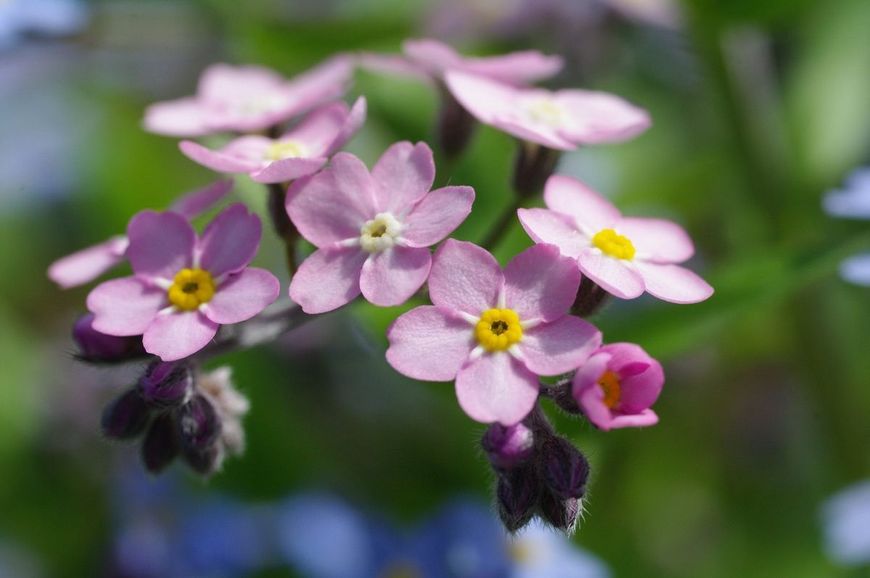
pixel 373 231
pixel 184 287
pixel 494 331
pixel 624 255
pixel 247 99
pixel 617 386
pixel 300 152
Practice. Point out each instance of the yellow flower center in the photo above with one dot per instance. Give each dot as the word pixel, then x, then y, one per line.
pixel 612 243
pixel 609 382
pixel 191 288
pixel 284 149
pixel 498 329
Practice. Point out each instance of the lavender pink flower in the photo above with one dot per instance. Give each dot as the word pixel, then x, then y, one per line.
pixel 247 99
pixel 494 331
pixel 617 386
pixel 184 286
pixel 372 230
pixel 624 255
pixel 300 152
pixel 561 120
pixel 87 264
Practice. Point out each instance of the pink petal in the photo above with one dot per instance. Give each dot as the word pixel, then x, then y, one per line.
pixel 221 83
pixel 218 160
pixel 328 279
pixel 392 277
pixel 181 118
pixel 286 170
pixel 427 344
pixel 533 131
pixel 590 209
pixel 242 296
pixel 673 283
pixel 465 278
pixel 641 376
pixel 591 402
pixel 560 346
pixel 437 215
pixel 354 121
pixel 86 265
pixel 589 373
pixel 199 201
pixel 516 68
pixel 161 244
pixel 546 226
pixel 433 55
pixel 230 241
pixel 334 204
pixel 173 336
pixel 392 64
pixel 496 388
pixel 328 128
pixel 613 275
pixel 599 117
pixel 541 284
pixel 485 99
pixel 657 240
pixel 643 419
pixel 403 174
pixel 325 82
pixel 125 306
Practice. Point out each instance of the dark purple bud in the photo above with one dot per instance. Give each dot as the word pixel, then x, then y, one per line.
pixel 564 470
pixel 199 424
pixel 534 165
pixel 204 462
pixel 455 126
pixel 517 495
pixel 162 443
pixel 126 416
pixel 508 447
pixel 559 513
pixel 99 347
pixel 166 385
pixel 590 298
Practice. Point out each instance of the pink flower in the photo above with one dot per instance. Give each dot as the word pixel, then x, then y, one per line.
pixel 86 265
pixel 184 287
pixel 617 386
pixel 624 255
pixel 372 231
pixel 494 331
pixel 300 152
pixel 247 99
pixel 560 120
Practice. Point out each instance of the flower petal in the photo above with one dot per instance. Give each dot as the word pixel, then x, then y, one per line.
pixel 403 174
pixel 572 197
pixel 560 346
pixel 546 226
pixel 230 241
pixel 328 279
pixel 518 68
pixel 496 388
pixel 219 161
pixel 161 244
pixel 673 283
pixel 125 306
pixel 613 275
pixel 196 202
pixel 657 240
pixel 181 118
pixel 464 277
pixel 599 117
pixel 856 269
pixel 86 265
pixel 437 215
pixel 173 336
pixel 285 170
pixel 643 419
pixel 434 55
pixel 391 277
pixel 591 402
pixel 327 129
pixel 428 344
pixel 641 376
pixel 540 283
pixel 242 296
pixel 485 99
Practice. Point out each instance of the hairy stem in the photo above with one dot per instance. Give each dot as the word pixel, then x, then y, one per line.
pixel 284 227
pixel 500 228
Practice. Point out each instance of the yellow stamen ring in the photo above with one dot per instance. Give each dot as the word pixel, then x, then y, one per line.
pixel 498 329
pixel 612 243
pixel 191 288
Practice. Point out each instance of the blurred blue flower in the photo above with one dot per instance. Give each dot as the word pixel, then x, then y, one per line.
pixel 46 17
pixel 539 551
pixel 846 525
pixel 852 202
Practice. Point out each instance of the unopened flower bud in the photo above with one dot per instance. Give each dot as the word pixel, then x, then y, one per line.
pixel 534 165
pixel 455 126
pixel 166 385
pixel 162 443
pixel 200 428
pixel 99 347
pixel 560 513
pixel 517 494
pixel 508 447
pixel 126 416
pixel 564 470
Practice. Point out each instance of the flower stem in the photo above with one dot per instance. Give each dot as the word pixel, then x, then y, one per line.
pixel 497 232
pixel 284 227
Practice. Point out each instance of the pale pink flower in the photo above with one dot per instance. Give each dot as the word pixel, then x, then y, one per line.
pixel 372 231
pixel 248 99
pixel 561 120
pixel 86 265
pixel 617 386
pixel 184 287
pixel 624 255
pixel 300 152
pixel 494 331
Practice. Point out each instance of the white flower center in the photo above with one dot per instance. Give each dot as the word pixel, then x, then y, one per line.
pixel 379 233
pixel 284 149
pixel 546 111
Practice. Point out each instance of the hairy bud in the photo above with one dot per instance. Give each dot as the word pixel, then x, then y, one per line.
pixel 564 470
pixel 126 416
pixel 560 513
pixel 99 347
pixel 166 385
pixel 517 495
pixel 455 126
pixel 162 444
pixel 200 428
pixel 508 447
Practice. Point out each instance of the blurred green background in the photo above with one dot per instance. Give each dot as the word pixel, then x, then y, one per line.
pixel 758 108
